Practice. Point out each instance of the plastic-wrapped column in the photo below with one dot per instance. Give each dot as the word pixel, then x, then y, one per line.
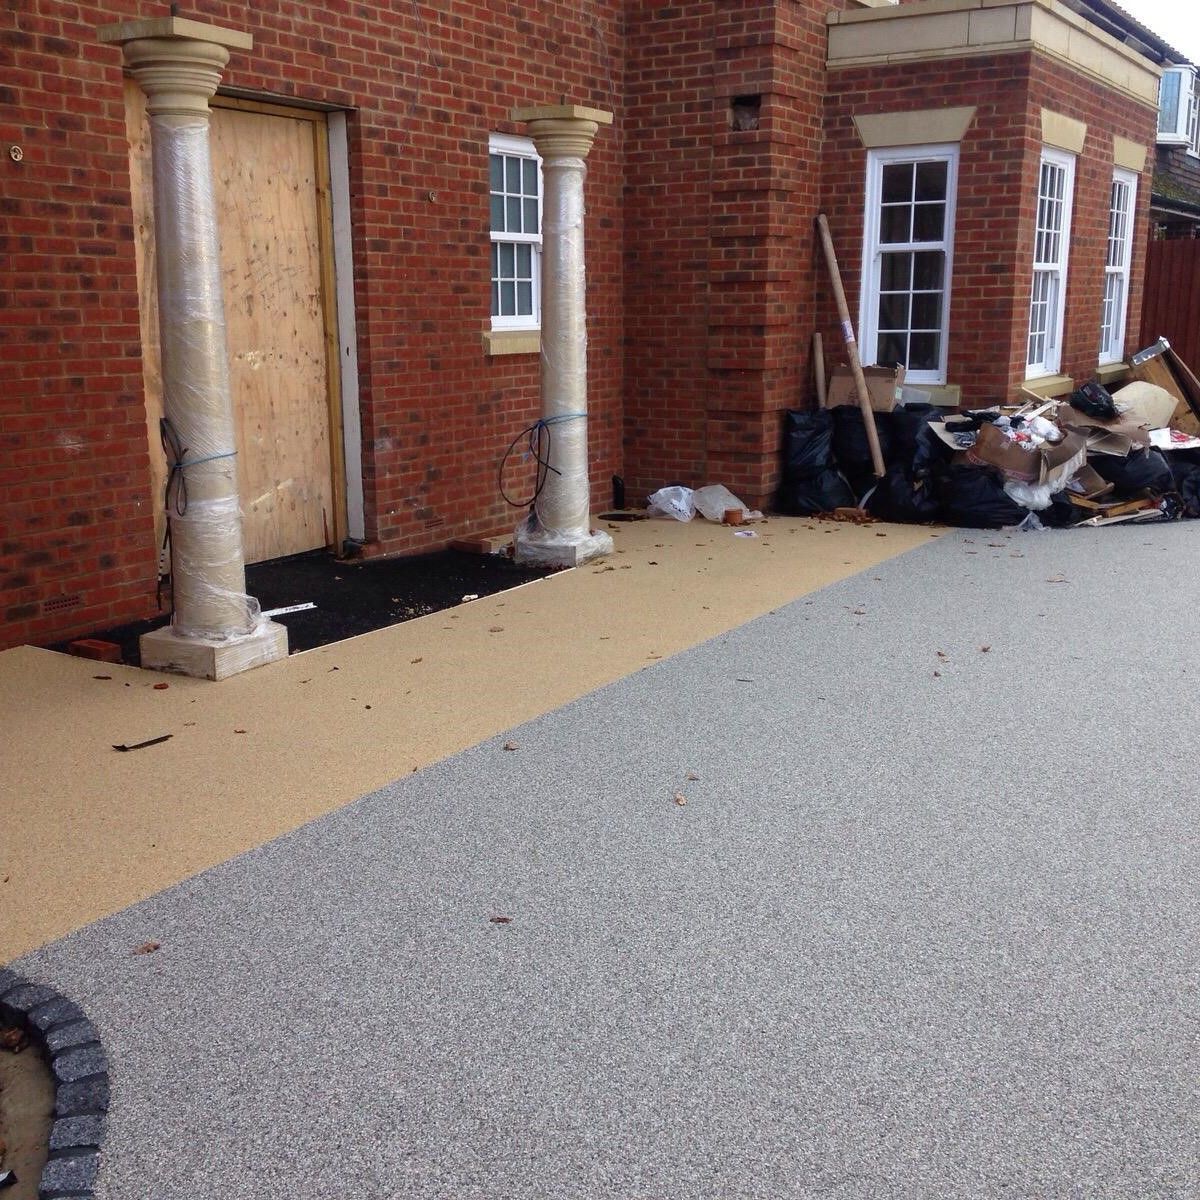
pixel 208 573
pixel 562 507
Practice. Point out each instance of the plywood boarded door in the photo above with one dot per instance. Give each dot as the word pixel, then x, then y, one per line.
pixel 270 178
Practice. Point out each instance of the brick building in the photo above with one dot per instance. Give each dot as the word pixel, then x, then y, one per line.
pixel 367 169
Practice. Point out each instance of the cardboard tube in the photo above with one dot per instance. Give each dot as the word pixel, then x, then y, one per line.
pixel 860 383
pixel 819 367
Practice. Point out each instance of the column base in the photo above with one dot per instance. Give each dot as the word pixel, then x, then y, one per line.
pixel 538 549
pixel 165 650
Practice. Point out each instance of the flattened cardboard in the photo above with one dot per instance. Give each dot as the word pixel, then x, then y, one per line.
pixel 883 386
pixel 1145 403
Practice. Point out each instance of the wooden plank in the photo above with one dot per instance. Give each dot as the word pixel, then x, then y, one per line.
pixel 137 132
pixel 333 361
pixel 265 180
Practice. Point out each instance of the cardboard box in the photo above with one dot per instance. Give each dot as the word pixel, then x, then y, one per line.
pixel 883 386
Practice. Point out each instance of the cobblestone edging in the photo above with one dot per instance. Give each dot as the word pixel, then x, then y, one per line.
pixel 70 1044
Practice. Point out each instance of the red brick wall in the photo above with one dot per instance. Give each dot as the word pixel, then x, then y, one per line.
pixel 997 182
pixel 719 237
pixel 426 83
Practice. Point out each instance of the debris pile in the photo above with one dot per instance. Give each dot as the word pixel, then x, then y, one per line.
pixel 1098 458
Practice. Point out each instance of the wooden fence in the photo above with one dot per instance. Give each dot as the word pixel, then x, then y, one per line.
pixel 1171 302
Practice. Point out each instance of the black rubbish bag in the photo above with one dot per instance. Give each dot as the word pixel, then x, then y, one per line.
pixel 974 497
pixel 807 441
pixel 810 483
pixel 814 492
pixel 908 422
pixel 899 497
pixel 852 450
pixel 1094 400
pixel 1187 484
pixel 1132 475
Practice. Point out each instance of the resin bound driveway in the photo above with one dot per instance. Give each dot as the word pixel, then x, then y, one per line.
pixel 926 926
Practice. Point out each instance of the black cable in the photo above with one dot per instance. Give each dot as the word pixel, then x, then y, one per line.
pixel 533 434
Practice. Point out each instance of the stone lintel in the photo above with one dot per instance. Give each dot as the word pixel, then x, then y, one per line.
pixel 175 28
pixel 562 112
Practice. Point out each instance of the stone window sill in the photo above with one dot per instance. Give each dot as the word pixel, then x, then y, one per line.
pixel 1116 372
pixel 511 341
pixel 1050 385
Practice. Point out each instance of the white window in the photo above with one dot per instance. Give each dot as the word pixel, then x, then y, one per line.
pixel 908 243
pixel 516 206
pixel 1116 267
pixel 1052 238
pixel 1179 108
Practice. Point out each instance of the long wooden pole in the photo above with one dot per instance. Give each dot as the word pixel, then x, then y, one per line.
pixel 819 367
pixel 860 383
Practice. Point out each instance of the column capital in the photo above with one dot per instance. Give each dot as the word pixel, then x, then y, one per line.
pixel 562 130
pixel 177 62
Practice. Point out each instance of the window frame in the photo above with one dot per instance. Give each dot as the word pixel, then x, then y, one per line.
pixel 1180 124
pixel 1055 271
pixel 511 146
pixel 1112 329
pixel 873 251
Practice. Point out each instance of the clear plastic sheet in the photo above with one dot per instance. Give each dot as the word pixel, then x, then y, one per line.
pixel 563 507
pixel 208 576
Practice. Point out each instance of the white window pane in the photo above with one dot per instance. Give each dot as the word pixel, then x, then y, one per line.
pixel 929 270
pixel 529 177
pixel 512 173
pixel 506 260
pixel 897 183
pixel 508 300
pixel 524 261
pixel 895 224
pixel 929 222
pixel 893 310
pixel 895 272
pixel 496 172
pixel 513 214
pixel 531 216
pixel 931 180
pixel 923 352
pixel 495 299
pixel 498 214
pixel 525 299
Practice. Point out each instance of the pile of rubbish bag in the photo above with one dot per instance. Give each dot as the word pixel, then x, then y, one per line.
pixel 1096 459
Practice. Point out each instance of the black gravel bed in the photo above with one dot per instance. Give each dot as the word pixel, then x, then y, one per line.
pixel 354 597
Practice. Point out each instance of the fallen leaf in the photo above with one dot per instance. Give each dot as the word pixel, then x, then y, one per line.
pixel 942 654
pixel 101 676
pixel 495 629
pixel 147 948
pixel 860 612
pixel 881 535
pixel 417 660
pixel 366 706
pixel 693 777
pixel 652 563
pixel 984 649
pixel 13 1039
pixel 511 746
pixel 500 920
pixel 239 731
pixel 680 799
pixel 161 687
pixel 1058 579
pixel 937 674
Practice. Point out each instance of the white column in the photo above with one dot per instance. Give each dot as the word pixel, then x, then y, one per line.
pixel 217 629
pixel 558 532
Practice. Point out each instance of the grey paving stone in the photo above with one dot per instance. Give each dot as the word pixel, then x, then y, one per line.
pixel 62 1038
pixel 58 1011
pixel 70 1175
pixel 80 1063
pixel 81 1096
pixel 68 1133
pixel 25 996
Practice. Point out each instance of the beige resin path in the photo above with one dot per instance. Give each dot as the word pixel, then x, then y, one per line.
pixel 86 830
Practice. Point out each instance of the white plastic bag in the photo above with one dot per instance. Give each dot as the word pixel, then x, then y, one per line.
pixel 675 502
pixel 715 501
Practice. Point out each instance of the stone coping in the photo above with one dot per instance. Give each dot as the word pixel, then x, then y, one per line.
pixel 70 1044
